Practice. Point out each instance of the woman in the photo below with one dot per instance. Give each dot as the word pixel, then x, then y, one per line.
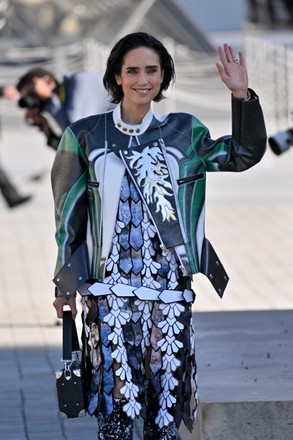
pixel 129 190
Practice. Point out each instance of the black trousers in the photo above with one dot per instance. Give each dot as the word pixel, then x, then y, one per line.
pixel 9 192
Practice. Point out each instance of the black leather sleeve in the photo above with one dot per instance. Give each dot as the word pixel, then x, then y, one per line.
pixel 249 137
pixel 247 144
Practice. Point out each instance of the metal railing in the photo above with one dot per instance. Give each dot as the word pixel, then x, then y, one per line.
pixel 271 74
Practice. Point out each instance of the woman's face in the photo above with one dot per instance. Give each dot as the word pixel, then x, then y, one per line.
pixel 141 77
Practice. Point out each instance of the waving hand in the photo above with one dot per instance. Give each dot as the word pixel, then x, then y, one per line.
pixel 233 72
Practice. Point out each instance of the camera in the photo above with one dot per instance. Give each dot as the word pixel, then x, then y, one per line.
pixel 40 118
pixel 281 141
pixel 30 101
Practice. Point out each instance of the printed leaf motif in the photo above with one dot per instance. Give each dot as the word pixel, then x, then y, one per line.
pixel 152 176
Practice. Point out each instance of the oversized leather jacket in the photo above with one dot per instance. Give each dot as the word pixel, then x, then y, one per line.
pixel 167 158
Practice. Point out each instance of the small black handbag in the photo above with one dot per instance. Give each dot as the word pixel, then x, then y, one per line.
pixel 71 391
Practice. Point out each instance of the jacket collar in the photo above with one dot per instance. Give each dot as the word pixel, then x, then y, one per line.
pixel 131 129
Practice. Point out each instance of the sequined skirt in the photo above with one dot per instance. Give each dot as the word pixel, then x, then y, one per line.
pixel 140 348
pixel 143 352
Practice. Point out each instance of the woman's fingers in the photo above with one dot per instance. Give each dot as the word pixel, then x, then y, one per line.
pixel 60 302
pixel 228 56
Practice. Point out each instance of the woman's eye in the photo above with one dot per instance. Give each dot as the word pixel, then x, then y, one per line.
pixel 153 70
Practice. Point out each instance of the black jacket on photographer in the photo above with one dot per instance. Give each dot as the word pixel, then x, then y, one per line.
pixel 79 95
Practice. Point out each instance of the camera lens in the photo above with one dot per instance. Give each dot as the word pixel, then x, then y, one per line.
pixel 281 142
pixel 31 100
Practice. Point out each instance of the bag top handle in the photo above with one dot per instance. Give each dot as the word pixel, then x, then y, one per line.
pixel 69 337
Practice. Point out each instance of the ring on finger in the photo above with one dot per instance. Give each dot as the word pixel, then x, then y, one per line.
pixel 235 60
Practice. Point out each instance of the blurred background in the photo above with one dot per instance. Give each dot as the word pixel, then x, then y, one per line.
pixel 68 36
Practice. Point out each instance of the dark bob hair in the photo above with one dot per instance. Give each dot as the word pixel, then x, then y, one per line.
pixel 116 59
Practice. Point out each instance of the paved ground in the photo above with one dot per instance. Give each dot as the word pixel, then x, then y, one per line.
pixel 249 220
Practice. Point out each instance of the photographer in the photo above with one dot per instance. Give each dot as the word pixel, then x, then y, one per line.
pixel 52 106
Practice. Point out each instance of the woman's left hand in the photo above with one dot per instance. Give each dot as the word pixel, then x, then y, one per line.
pixel 233 71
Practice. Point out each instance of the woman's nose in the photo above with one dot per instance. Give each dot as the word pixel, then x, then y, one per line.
pixel 142 79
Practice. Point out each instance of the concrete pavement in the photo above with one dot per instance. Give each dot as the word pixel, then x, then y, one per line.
pixel 244 352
